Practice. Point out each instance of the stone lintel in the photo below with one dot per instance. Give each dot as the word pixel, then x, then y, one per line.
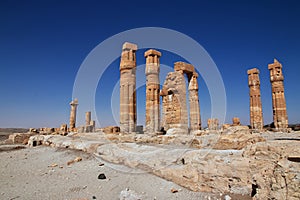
pixel 183 66
pixel 253 71
pixel 129 46
pixel 152 52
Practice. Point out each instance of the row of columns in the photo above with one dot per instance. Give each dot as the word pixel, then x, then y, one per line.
pixel 280 118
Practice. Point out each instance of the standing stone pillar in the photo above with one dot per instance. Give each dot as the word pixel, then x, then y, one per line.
pixel 127 88
pixel 195 120
pixel 74 105
pixel 88 118
pixel 279 106
pixel 256 115
pixel 152 91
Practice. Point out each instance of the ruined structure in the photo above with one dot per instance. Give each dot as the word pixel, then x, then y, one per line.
pixel 236 121
pixel 279 106
pixel 74 105
pixel 212 124
pixel 174 98
pixel 152 91
pixel 88 118
pixel 256 116
pixel 127 88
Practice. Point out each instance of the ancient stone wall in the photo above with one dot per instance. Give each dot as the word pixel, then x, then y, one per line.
pixel 174 102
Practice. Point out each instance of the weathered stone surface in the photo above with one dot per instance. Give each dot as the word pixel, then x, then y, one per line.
pixel 273 173
pixel 213 124
pixel 280 117
pixel 173 94
pixel 63 129
pixel 20 138
pixel 111 130
pixel 236 121
pixel 174 102
pixel 256 115
pixel 152 91
pixel 127 88
pixel 130 195
pixel 73 113
pixel 237 137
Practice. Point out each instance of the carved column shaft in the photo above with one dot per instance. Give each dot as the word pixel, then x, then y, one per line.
pixel 195 120
pixel 152 91
pixel 256 116
pixel 278 99
pixel 74 105
pixel 127 88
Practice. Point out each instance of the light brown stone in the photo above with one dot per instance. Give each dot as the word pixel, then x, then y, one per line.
pixel 236 121
pixel 213 124
pixel 280 117
pixel 88 118
pixel 152 91
pixel 73 113
pixel 175 114
pixel 127 88
pixel 256 115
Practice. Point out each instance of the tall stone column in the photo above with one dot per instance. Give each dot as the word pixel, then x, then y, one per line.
pixel 127 88
pixel 88 118
pixel 74 105
pixel 152 91
pixel 256 115
pixel 195 120
pixel 279 105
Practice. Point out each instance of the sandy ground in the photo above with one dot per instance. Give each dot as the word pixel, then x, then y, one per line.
pixel 25 174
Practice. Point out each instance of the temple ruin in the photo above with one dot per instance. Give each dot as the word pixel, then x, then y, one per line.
pixel 279 106
pixel 152 91
pixel 256 116
pixel 127 88
pixel 175 114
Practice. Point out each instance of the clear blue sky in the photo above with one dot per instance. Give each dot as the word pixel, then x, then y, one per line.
pixel 43 43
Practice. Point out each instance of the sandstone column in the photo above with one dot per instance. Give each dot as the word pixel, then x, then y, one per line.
pixel 74 105
pixel 127 88
pixel 279 106
pixel 152 91
pixel 88 118
pixel 195 120
pixel 256 115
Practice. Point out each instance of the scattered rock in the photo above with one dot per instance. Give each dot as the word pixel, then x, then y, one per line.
pixel 53 165
pixel 102 176
pixel 77 159
pixel 174 190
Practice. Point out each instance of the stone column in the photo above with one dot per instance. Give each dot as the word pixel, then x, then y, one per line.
pixel 88 118
pixel 279 105
pixel 152 91
pixel 195 120
pixel 74 105
pixel 127 88
pixel 256 115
